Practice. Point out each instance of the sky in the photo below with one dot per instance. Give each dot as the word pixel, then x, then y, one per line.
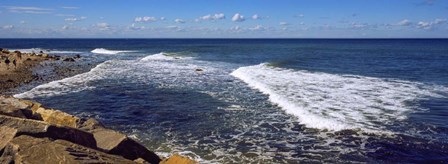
pixel 223 19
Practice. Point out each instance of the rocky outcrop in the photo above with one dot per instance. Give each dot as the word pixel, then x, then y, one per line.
pixel 177 159
pixel 30 133
pixel 28 149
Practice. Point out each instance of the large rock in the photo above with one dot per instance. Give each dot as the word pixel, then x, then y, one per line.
pixel 27 109
pixel 117 143
pixel 13 107
pixel 6 135
pixel 27 149
pixel 43 129
pixel 57 117
pixel 177 159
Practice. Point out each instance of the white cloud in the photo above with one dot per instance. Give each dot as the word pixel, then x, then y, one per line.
pixel 28 10
pixel 102 26
pixel 75 19
pixel 179 20
pixel 257 28
pixel 70 7
pixel 300 15
pixel 256 16
pixel 162 18
pixel 145 19
pixel 236 29
pixel 213 17
pixel 404 22
pixel 135 27
pixel 440 21
pixel 65 15
pixel 22 22
pixel 424 25
pixel 431 24
pixel 302 23
pixel 66 27
pixel 238 18
pixel 8 27
pixel 358 25
pixel 284 23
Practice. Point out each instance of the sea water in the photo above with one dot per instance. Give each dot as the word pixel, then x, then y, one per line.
pixel 261 100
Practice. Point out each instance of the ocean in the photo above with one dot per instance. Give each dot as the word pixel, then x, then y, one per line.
pixel 260 100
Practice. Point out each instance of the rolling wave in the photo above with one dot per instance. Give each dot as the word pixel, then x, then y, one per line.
pixel 336 102
pixel 108 52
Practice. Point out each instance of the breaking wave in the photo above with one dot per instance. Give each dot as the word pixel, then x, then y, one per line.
pixel 337 102
pixel 108 52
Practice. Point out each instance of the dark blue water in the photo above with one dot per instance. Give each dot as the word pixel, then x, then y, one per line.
pixel 262 100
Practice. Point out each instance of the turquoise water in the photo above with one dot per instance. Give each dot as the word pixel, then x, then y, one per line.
pixel 261 100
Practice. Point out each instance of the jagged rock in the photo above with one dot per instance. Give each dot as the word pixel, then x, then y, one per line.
pixel 117 143
pixel 26 109
pixel 6 135
pixel 27 149
pixel 199 70
pixel 5 51
pixel 57 117
pixel 177 159
pixel 77 56
pixel 43 129
pixel 90 125
pixel 45 55
pixel 141 161
pixel 12 107
pixel 31 119
pixel 69 60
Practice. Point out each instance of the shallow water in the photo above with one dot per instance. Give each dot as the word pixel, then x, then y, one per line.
pixel 262 101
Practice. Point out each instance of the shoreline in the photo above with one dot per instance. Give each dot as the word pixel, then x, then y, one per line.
pixel 31 133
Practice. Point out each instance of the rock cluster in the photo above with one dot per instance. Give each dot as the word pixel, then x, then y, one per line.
pixel 30 133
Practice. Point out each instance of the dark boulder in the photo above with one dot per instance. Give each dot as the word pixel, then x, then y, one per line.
pixel 69 60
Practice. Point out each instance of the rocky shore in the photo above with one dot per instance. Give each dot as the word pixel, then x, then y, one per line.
pixel 31 133
pixel 16 68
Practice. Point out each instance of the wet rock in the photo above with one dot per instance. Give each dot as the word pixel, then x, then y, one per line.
pixel 77 56
pixel 177 159
pixel 91 124
pixel 7 61
pixel 199 70
pixel 27 149
pixel 69 60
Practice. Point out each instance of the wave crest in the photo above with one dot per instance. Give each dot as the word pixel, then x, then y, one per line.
pixel 336 102
pixel 107 52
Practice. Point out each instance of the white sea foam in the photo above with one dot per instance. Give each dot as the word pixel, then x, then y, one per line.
pixel 336 102
pixel 161 68
pixel 163 56
pixel 68 85
pixel 108 52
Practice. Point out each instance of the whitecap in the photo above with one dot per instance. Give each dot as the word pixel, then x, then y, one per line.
pixel 336 102
pixel 108 52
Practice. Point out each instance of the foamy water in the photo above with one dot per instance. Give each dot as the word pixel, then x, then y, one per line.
pixel 109 52
pixel 209 100
pixel 336 102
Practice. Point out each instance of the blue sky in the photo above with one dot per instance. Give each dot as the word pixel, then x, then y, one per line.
pixel 224 19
